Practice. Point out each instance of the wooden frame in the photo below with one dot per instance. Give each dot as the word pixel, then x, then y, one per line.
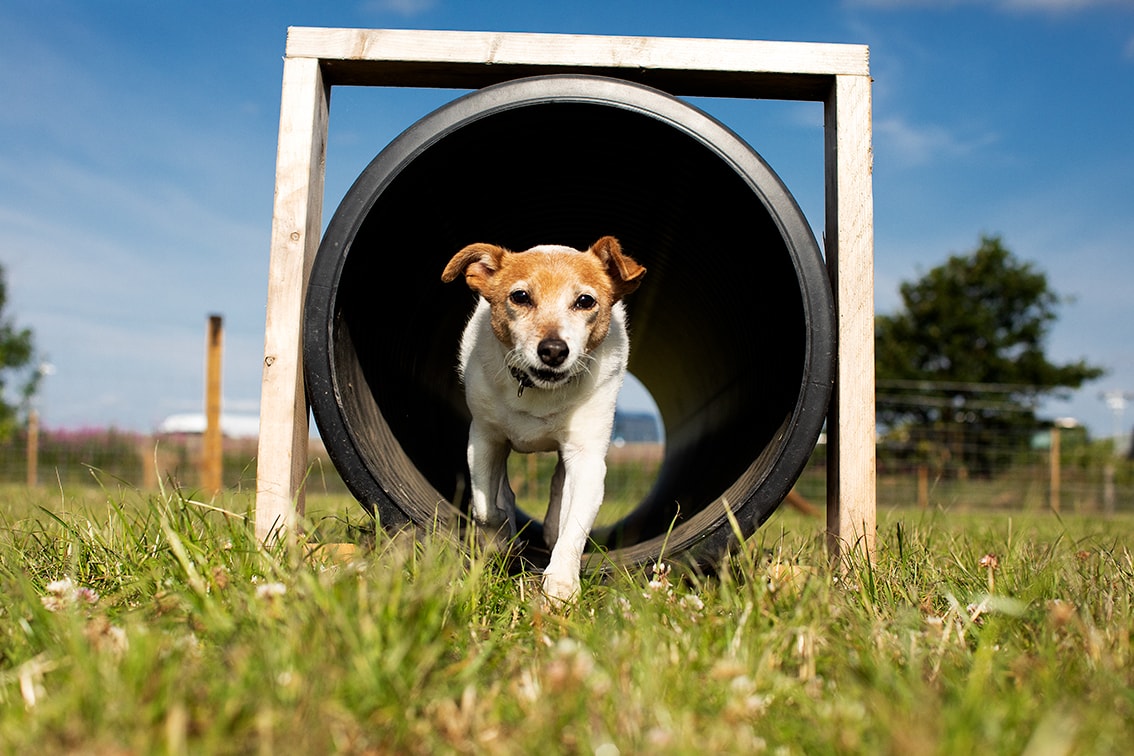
pixel 837 75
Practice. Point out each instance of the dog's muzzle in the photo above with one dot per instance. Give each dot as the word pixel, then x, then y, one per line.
pixel 527 378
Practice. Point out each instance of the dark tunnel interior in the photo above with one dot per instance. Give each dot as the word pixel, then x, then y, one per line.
pixel 731 330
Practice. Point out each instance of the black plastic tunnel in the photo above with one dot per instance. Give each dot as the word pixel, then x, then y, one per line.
pixel 732 330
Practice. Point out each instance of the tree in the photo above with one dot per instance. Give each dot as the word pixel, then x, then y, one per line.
pixel 966 354
pixel 17 352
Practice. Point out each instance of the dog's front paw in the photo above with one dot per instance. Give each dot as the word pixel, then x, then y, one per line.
pixel 493 539
pixel 560 590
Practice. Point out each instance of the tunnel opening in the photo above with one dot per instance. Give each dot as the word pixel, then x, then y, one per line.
pixel 732 330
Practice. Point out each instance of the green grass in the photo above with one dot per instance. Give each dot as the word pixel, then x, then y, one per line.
pixel 178 634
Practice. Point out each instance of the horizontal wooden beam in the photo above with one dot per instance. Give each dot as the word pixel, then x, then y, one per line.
pixel 470 60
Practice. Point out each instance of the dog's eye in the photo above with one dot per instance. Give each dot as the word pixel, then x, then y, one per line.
pixel 520 297
pixel 585 302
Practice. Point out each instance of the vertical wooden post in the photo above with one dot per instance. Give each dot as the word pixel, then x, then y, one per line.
pixel 296 224
pixel 212 453
pixel 851 472
pixel 147 450
pixel 33 449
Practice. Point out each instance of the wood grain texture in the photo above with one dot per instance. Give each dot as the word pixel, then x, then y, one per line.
pixel 212 443
pixel 851 470
pixel 296 223
pixel 708 67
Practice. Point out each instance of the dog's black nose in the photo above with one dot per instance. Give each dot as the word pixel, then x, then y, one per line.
pixel 552 352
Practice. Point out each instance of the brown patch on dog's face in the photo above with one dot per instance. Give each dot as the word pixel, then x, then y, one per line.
pixel 552 294
pixel 549 294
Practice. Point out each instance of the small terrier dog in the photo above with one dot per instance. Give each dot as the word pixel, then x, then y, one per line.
pixel 542 359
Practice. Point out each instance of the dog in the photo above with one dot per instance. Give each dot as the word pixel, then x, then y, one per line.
pixel 542 359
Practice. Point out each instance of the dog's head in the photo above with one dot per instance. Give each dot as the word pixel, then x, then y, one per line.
pixel 551 305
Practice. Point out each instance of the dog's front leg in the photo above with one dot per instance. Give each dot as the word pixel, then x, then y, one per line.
pixel 583 479
pixel 491 508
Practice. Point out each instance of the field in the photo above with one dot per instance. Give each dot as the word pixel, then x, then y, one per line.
pixel 139 623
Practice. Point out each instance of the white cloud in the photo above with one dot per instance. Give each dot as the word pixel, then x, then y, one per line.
pixel 1062 6
pixel 1025 6
pixel 116 285
pixel 400 7
pixel 915 144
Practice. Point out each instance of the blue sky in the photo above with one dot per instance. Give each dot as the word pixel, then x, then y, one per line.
pixel 137 155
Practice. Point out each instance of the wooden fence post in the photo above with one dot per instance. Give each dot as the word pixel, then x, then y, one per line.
pixel 212 445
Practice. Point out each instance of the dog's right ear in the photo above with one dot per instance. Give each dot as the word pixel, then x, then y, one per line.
pixel 625 272
pixel 479 262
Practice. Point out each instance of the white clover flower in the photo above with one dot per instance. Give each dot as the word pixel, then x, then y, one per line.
pixel 60 587
pixel 61 594
pixel 659 584
pixel 693 602
pixel 270 591
pixel 661 576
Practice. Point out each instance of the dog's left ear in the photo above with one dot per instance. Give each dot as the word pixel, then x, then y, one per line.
pixel 479 262
pixel 625 272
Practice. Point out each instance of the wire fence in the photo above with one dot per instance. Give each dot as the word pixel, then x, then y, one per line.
pixel 944 466
pixel 1054 468
pixel 98 456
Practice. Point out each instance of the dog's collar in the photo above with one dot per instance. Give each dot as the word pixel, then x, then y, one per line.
pixel 523 379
